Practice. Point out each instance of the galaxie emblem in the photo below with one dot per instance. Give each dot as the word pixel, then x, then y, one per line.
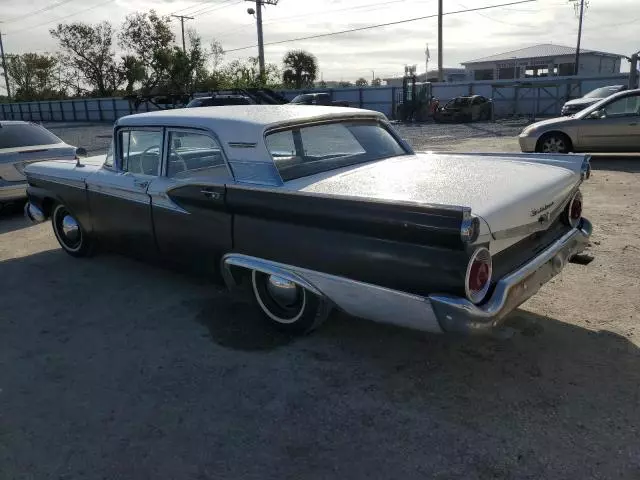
pixel 539 210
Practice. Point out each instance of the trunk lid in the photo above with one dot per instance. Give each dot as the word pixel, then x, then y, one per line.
pixel 505 192
pixel 14 160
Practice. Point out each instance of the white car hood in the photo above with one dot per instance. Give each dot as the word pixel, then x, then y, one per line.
pixel 505 192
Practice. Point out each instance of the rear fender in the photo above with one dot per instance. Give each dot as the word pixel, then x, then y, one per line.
pixel 578 163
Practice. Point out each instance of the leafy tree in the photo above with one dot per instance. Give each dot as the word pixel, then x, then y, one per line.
pixel 345 84
pixel 87 51
pixel 300 69
pixel 322 84
pixel 246 74
pixel 376 82
pixel 361 82
pixel 32 76
pixel 149 38
pixel 132 71
pixel 216 53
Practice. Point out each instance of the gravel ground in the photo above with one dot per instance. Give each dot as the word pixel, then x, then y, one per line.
pixel 113 369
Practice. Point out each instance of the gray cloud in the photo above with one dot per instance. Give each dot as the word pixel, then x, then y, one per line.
pixel 607 27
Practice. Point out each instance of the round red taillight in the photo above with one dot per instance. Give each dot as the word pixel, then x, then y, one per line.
pixel 478 278
pixel 574 210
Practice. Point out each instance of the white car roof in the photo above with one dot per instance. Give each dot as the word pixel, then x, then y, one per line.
pixel 244 123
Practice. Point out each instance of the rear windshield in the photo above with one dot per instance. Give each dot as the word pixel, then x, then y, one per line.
pixel 25 135
pixel 303 151
pixel 603 92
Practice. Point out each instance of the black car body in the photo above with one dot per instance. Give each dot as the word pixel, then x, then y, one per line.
pixel 594 96
pixel 465 109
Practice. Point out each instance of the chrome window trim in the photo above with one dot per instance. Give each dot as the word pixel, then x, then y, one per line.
pixel 117 164
pixel 326 121
pixel 197 130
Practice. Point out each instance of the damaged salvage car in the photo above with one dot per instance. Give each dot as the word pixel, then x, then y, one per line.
pixel 315 208
pixel 465 109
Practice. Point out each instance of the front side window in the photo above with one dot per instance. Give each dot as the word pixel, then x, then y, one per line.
pixel 108 161
pixel 623 107
pixel 192 153
pixel 303 151
pixel 13 135
pixel 140 151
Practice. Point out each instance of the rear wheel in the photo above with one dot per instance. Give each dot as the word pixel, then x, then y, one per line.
pixel 286 305
pixel 554 143
pixel 70 234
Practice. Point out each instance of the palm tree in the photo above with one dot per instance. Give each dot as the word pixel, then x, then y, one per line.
pixel 300 69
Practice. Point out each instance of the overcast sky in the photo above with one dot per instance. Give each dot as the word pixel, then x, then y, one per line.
pixel 610 25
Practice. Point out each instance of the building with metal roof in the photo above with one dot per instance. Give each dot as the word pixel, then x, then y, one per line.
pixel 545 60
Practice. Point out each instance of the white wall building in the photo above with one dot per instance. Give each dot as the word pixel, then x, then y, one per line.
pixel 450 74
pixel 542 61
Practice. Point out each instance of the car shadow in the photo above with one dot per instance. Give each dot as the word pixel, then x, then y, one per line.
pixel 12 218
pixel 548 397
pixel 627 164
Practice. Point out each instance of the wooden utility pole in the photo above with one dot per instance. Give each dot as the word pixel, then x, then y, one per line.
pixel 4 69
pixel 577 61
pixel 182 18
pixel 440 72
pixel 258 15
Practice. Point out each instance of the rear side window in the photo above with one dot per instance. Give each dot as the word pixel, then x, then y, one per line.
pixel 25 135
pixel 308 150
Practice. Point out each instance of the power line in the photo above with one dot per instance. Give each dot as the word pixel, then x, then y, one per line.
pixel 182 19
pixel 218 6
pixel 44 9
pixel 197 5
pixel 323 12
pixel 371 27
pixel 60 18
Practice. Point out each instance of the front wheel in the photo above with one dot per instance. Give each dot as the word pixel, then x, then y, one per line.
pixel 286 305
pixel 70 234
pixel 553 143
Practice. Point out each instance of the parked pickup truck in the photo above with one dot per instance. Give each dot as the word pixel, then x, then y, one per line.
pixel 315 208
pixel 318 99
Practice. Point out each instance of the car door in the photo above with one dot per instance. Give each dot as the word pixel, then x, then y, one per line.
pixel 617 129
pixel 118 199
pixel 192 225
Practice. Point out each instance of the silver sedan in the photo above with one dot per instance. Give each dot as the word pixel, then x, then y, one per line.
pixel 20 144
pixel 611 125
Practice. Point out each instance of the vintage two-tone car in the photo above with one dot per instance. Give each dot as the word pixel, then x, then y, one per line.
pixel 319 207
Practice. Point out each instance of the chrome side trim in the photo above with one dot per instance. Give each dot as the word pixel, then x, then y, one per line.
pixel 59 180
pixel 358 299
pixel 460 315
pixel 120 192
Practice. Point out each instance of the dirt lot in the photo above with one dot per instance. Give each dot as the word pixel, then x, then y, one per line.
pixel 112 369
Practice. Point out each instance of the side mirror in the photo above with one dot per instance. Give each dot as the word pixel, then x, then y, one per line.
pixel 81 152
pixel 597 115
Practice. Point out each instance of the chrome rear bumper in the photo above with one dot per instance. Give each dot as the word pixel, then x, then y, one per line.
pixel 435 313
pixel 460 315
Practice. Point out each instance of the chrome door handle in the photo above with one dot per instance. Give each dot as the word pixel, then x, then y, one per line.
pixel 211 195
pixel 140 183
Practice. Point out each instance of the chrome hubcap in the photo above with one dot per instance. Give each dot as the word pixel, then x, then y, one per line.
pixel 283 292
pixel 70 229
